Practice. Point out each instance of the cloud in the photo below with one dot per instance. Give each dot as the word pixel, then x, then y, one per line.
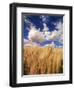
pixel 45 27
pixel 29 23
pixel 25 40
pixel 35 35
pixel 30 43
pixel 44 18
pixel 46 31
pixel 52 44
pixel 59 25
pixel 56 34
pixel 53 35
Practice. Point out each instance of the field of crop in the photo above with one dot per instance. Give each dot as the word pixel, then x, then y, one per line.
pixel 42 60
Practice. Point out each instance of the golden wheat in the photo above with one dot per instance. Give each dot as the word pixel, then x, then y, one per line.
pixel 46 60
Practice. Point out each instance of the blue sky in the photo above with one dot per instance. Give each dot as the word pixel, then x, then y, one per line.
pixel 53 24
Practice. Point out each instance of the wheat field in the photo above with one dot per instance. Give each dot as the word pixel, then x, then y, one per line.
pixel 42 60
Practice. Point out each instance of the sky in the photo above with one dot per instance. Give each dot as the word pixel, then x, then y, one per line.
pixel 43 30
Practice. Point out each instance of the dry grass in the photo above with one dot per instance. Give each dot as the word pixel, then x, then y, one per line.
pixel 45 60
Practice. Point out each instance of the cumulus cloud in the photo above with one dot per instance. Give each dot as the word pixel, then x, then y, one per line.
pixel 56 34
pixel 35 35
pixel 46 31
pixel 30 43
pixel 53 35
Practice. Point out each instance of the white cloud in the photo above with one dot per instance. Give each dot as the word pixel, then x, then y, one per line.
pixel 53 35
pixel 59 25
pixel 52 44
pixel 25 40
pixel 28 22
pixel 46 31
pixel 44 18
pixel 45 27
pixel 30 43
pixel 56 34
pixel 35 35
